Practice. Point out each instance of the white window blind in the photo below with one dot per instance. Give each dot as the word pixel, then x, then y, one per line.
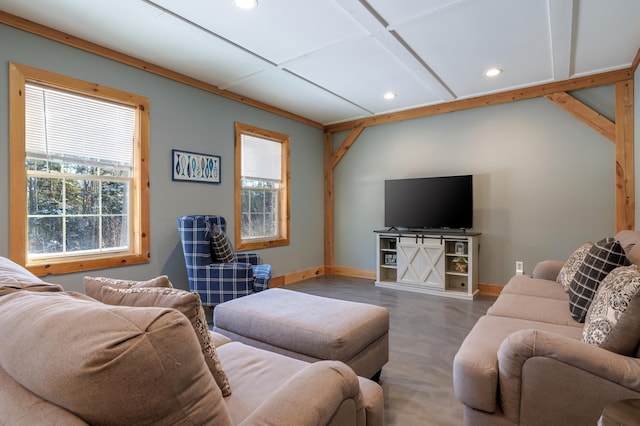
pixel 261 158
pixel 65 126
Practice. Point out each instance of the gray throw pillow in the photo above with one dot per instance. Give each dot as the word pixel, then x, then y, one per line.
pixel 93 285
pixel 188 304
pixel 605 255
pixel 613 320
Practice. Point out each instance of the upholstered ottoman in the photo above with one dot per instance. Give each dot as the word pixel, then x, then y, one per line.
pixel 308 327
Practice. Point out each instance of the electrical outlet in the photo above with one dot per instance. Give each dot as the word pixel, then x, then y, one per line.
pixel 519 267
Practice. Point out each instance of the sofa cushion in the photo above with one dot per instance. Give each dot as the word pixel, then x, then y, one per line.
pixel 634 255
pixel 613 320
pixel 15 277
pixel 534 308
pixel 93 285
pixel 11 272
pixel 570 267
pixel 187 303
pixel 10 288
pixel 108 364
pixel 605 255
pixel 627 239
pixel 254 373
pixel 262 378
pixel 221 247
pixel 18 406
pixel 527 286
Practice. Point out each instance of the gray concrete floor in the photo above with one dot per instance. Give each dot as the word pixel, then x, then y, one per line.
pixel 425 334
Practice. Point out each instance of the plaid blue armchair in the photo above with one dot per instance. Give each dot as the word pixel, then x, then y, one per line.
pixel 213 280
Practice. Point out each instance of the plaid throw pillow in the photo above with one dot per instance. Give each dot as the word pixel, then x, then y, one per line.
pixel 221 248
pixel 571 266
pixel 605 255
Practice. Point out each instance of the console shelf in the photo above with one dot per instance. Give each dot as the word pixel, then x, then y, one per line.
pixel 442 264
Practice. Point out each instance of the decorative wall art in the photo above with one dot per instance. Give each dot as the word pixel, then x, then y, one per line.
pixel 195 167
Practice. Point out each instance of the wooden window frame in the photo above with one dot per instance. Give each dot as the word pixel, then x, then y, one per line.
pixel 283 238
pixel 18 245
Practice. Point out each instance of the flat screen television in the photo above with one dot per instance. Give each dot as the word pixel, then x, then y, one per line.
pixel 444 202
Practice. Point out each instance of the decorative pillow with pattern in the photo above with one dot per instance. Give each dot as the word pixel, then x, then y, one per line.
pixel 221 248
pixel 605 255
pixel 613 320
pixel 570 267
pixel 93 285
pixel 187 303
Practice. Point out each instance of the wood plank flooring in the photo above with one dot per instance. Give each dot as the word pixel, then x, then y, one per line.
pixel 425 334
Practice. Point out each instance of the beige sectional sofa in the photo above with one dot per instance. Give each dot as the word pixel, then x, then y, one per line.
pixel 66 358
pixel 527 361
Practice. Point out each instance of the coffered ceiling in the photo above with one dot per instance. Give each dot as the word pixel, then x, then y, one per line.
pixel 332 60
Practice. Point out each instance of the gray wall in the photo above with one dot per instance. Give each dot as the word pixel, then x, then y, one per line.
pixel 185 118
pixel 543 182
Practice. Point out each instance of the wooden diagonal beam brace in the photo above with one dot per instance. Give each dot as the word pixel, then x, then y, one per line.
pixel 582 112
pixel 340 152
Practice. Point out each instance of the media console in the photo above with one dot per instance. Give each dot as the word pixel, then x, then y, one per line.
pixel 437 263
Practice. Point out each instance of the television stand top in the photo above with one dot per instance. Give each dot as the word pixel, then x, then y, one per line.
pixel 396 231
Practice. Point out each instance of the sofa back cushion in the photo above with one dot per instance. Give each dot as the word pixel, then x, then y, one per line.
pixel 108 364
pixel 14 276
pixel 93 285
pixel 605 255
pixel 188 304
pixel 628 239
pixel 613 320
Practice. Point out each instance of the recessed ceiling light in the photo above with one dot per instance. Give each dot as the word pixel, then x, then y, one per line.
pixel 493 72
pixel 246 4
pixel 390 95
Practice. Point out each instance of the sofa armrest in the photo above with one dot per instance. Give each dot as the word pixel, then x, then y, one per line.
pixel 554 358
pixel 313 396
pixel 547 269
pixel 218 282
pixel 252 258
pixel 231 271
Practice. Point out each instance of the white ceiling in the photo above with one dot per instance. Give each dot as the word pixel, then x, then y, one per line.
pixel 332 60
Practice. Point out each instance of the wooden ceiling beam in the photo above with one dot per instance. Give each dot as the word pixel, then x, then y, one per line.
pixel 601 79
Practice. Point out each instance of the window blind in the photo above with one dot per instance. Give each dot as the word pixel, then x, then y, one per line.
pixel 65 126
pixel 261 158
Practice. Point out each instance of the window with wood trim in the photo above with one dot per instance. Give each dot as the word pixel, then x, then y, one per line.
pixel 262 188
pixel 79 176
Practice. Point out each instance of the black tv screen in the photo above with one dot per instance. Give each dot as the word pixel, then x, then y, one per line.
pixel 432 202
